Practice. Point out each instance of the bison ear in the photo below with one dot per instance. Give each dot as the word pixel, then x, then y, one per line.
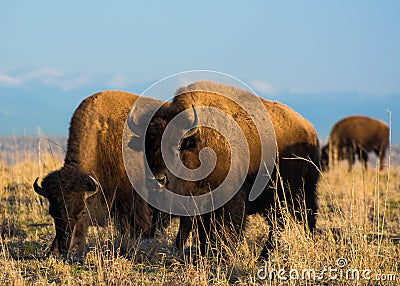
pixel 92 187
pixel 39 190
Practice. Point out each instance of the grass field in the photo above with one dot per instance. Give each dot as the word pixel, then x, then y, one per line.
pixel 359 223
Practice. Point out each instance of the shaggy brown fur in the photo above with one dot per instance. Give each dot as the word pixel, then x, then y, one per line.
pixel 356 135
pixel 295 136
pixel 95 149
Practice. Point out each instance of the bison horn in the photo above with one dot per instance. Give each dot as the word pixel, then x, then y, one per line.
pixel 96 184
pixel 131 123
pixel 93 187
pixel 39 190
pixel 195 126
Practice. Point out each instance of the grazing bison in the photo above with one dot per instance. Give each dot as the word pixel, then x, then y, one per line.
pixel 92 185
pixel 356 135
pixel 293 184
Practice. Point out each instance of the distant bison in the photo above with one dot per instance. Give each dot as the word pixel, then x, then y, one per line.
pixel 356 135
pixel 294 185
pixel 92 186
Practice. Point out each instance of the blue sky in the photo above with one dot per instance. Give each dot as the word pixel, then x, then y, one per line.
pixel 304 53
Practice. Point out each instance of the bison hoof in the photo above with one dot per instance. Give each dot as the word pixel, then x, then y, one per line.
pixel 265 254
pixel 76 258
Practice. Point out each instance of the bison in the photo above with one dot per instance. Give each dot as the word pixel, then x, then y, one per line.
pixel 293 182
pixel 92 185
pixel 356 135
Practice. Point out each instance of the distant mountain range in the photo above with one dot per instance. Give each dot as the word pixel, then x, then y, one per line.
pixel 45 109
pixel 14 149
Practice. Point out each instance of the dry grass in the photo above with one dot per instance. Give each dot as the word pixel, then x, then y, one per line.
pixel 359 221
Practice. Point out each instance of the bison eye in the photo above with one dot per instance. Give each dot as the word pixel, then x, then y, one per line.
pixel 162 180
pixel 189 144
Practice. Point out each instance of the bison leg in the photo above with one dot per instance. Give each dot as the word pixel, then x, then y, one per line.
pixel 77 246
pixel 381 156
pixel 311 197
pixel 58 246
pixel 185 227
pixel 231 220
pixel 301 201
pixel 134 217
pixel 204 232
pixel 305 209
pixel 350 158
pixel 363 157
pixel 269 245
pixel 154 224
pixel 160 221
pixel 202 225
pixel 276 225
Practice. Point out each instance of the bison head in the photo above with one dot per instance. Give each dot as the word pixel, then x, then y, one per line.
pixel 153 135
pixel 188 144
pixel 67 190
pixel 325 157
